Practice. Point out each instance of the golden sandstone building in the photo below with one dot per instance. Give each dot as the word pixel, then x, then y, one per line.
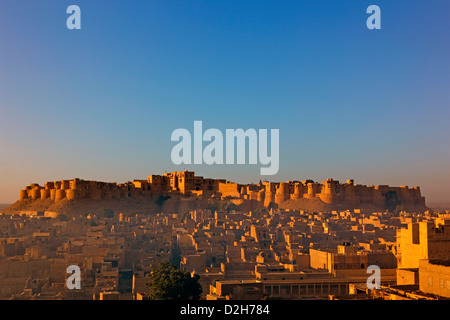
pixel 184 184
pixel 238 253
pixel 423 251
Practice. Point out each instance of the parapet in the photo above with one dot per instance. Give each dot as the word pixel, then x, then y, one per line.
pixel 186 184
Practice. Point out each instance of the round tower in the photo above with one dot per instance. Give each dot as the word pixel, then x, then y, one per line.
pixel 65 184
pixel 298 191
pixel 269 194
pixel 52 194
pixel 23 195
pixel 45 193
pixel 60 194
pixel 311 192
pixel 328 191
pixel 35 193
pixel 282 193
pixel 71 194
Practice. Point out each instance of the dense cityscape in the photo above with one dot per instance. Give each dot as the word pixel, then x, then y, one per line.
pixel 266 253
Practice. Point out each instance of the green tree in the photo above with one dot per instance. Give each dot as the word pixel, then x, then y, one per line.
pixel 167 282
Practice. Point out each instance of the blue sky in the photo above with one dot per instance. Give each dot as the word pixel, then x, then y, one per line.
pixel 101 102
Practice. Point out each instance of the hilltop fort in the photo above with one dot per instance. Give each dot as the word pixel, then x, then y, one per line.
pixel 182 191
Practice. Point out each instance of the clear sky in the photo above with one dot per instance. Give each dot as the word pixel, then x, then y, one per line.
pixel 101 103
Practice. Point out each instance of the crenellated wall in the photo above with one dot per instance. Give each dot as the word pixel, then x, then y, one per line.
pixel 185 184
